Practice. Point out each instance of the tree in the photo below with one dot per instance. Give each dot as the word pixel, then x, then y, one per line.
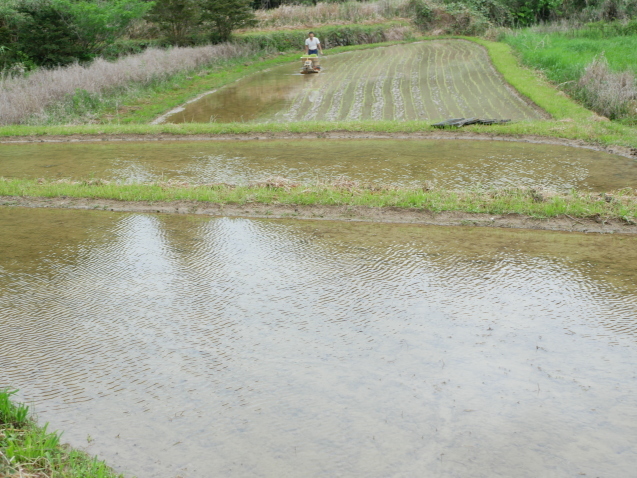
pixel 58 32
pixel 227 15
pixel 176 18
pixel 98 23
pixel 46 37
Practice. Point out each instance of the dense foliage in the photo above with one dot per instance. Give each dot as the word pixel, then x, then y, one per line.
pixel 186 22
pixel 59 32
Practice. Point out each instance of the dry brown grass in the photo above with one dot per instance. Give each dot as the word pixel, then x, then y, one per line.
pixel 26 97
pixel 290 16
pixel 612 94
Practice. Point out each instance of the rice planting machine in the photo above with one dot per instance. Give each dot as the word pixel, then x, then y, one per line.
pixel 311 64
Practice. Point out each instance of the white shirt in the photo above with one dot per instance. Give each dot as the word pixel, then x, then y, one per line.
pixel 312 43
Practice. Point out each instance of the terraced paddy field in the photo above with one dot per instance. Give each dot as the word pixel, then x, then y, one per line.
pixel 449 164
pixel 198 347
pixel 431 80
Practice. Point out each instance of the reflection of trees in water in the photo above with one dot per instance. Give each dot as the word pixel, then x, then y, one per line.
pixel 220 317
pixel 100 292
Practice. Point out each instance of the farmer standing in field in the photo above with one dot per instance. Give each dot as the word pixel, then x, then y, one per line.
pixel 312 45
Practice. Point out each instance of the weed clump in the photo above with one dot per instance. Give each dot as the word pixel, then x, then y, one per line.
pixel 27 450
pixel 609 93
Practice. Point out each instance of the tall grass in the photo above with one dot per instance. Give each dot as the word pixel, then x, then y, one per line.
pixel 27 450
pixel 28 99
pixel 612 94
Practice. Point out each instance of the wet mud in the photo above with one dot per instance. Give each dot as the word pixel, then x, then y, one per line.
pixel 392 215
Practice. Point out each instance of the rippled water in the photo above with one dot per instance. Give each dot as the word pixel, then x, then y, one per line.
pixel 198 347
pixel 447 163
pixel 430 80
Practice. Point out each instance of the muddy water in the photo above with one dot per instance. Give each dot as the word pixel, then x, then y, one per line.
pixel 448 164
pixel 428 81
pixel 201 347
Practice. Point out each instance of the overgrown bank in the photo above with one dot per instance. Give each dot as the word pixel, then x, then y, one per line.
pixel 28 450
pixel 594 63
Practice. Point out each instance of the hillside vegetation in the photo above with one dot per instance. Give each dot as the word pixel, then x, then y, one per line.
pixel 77 61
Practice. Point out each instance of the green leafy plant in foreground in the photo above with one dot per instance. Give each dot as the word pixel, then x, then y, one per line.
pixel 29 450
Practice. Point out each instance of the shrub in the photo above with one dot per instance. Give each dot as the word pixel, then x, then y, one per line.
pixel 58 32
pixel 226 16
pixel 45 36
pixel 176 19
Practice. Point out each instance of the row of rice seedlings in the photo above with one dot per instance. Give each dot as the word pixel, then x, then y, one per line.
pixel 423 81
pixel 358 99
pixel 489 94
pixel 505 100
pixel 480 94
pixel 450 74
pixel 394 97
pixel 414 86
pixel 305 98
pixel 328 90
pixel 432 89
pixel 337 109
pixel 339 84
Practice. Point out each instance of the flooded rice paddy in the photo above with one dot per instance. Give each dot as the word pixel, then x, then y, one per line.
pixel 446 163
pixel 431 80
pixel 197 347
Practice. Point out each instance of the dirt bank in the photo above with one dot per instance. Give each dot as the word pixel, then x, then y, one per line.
pixel 333 213
pixel 448 135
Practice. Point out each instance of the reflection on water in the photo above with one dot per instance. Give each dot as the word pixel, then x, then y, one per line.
pixel 200 347
pixel 447 163
pixel 421 81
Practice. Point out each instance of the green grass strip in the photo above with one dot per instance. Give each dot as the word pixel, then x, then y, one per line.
pixel 29 450
pixel 621 204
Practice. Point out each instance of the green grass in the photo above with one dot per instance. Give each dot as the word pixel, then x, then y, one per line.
pixel 563 56
pixel 492 201
pixel 602 133
pixel 29 450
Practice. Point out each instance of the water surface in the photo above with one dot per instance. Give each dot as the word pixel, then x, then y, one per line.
pixel 198 347
pixel 446 163
pixel 430 80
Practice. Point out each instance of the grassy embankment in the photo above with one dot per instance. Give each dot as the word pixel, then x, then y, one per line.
pixel 595 64
pixel 27 450
pixel 570 120
pixel 531 202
